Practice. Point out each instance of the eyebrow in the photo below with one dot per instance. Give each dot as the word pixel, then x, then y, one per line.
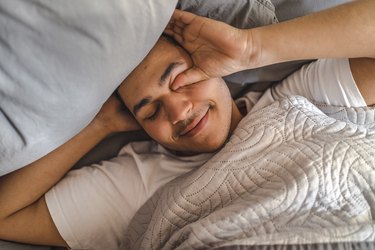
pixel 166 74
pixel 141 104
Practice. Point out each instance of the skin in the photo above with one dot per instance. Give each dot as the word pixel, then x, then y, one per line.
pixel 345 31
pixel 171 112
pixel 29 184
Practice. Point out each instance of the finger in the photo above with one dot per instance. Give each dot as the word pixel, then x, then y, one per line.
pixel 188 77
pixel 176 15
pixel 178 38
pixel 169 26
pixel 183 16
pixel 172 29
pixel 179 24
pixel 177 30
pixel 175 36
pixel 133 126
pixel 169 30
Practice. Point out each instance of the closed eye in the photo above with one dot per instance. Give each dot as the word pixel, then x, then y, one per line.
pixel 185 87
pixel 155 114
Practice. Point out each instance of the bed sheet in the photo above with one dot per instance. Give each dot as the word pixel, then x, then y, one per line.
pixel 289 175
pixel 284 10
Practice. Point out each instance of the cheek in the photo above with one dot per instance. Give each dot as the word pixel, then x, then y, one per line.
pixel 214 89
pixel 158 130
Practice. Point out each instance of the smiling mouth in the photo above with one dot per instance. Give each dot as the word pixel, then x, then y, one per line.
pixel 196 126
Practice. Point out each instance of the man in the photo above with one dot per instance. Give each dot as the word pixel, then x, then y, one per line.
pixel 181 102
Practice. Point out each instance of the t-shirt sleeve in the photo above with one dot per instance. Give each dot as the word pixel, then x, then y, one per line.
pixel 93 206
pixel 327 81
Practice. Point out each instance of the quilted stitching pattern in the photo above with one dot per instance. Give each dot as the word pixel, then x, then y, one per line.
pixel 289 174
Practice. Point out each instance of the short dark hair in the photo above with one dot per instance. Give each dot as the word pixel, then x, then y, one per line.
pixel 170 39
pixel 173 41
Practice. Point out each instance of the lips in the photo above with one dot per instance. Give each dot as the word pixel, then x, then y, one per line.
pixel 196 126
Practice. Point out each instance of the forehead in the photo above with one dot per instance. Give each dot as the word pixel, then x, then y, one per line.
pixel 163 52
pixel 148 73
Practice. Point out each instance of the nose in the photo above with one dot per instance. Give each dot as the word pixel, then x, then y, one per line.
pixel 178 107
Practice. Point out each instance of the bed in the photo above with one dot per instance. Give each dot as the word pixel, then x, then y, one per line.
pixel 191 211
pixel 291 173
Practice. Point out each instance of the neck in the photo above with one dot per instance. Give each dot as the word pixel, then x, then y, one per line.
pixel 235 119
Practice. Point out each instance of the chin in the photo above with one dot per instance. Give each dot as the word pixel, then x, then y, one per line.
pixel 196 148
pixel 210 145
pixel 213 147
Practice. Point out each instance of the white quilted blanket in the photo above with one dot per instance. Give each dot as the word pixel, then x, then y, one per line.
pixel 289 174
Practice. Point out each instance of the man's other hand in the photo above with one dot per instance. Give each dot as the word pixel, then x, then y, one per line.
pixel 114 117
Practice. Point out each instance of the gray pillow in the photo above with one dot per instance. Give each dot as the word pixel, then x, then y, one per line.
pixel 60 61
pixel 287 9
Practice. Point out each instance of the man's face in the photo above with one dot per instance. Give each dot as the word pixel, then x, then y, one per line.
pixel 193 118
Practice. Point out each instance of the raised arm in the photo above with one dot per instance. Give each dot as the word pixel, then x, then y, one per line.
pixel 346 31
pixel 217 49
pixel 24 215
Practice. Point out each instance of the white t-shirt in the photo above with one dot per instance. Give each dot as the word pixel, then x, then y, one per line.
pixel 92 206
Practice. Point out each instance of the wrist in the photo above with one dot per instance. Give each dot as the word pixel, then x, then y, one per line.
pixel 99 128
pixel 253 49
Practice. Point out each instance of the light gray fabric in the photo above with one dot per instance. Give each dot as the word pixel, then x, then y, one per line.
pixel 239 13
pixel 333 246
pixel 287 9
pixel 288 175
pixel 60 60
